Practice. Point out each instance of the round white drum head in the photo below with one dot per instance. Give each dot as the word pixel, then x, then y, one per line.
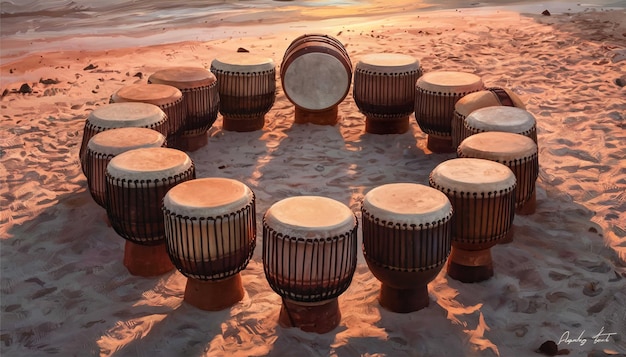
pixel 310 217
pixel 117 141
pixel 316 81
pixel 407 203
pixel 473 175
pixel 500 146
pixel 127 114
pixel 501 118
pixel 149 164
pixel 388 63
pixel 450 82
pixel 208 197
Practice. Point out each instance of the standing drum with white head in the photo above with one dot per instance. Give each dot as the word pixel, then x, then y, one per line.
pixel 200 97
pixel 247 87
pixel 210 229
pixel 384 91
pixel 136 182
pixel 482 193
pixel 436 94
pixel 309 258
pixel 406 241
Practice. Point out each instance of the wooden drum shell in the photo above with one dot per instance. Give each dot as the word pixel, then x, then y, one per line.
pixel 247 90
pixel 200 96
pixel 220 263
pixel 134 206
pixel 385 94
pixel 309 286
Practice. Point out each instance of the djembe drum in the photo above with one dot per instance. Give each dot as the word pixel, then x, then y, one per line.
pixel 482 193
pixel 484 98
pixel 166 97
pixel 309 258
pixel 498 118
pixel 122 115
pixel 136 182
pixel 384 91
pixel 406 241
pixel 247 88
pixel 316 73
pixel 105 145
pixel 436 94
pixel 516 151
pixel 210 230
pixel 200 97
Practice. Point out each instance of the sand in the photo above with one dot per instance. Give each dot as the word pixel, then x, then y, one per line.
pixel 563 278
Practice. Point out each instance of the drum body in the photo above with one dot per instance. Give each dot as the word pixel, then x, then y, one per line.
pixel 122 115
pixel 436 95
pixel 105 145
pixel 309 258
pixel 210 229
pixel 200 97
pixel 247 89
pixel 498 118
pixel 316 73
pixel 136 182
pixel 517 152
pixel 484 98
pixel 482 193
pixel 384 91
pixel 166 97
pixel 406 241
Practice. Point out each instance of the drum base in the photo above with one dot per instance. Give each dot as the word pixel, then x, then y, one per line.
pixel 387 126
pixel 529 207
pixel 243 125
pixel 194 142
pixel 322 117
pixel 470 266
pixel 147 260
pixel 404 300
pixel 440 144
pixel 214 295
pixel 310 317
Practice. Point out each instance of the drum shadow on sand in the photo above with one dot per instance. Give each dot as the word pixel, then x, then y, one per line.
pixel 65 290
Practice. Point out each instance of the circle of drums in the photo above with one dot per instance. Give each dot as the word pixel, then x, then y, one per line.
pixel 133 155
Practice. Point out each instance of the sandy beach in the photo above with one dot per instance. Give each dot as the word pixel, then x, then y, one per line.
pixel 64 290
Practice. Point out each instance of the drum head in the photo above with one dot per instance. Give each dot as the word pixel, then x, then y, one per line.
pixel 117 141
pixel 310 217
pixel 119 115
pixel 157 94
pixel 500 118
pixel 207 197
pixel 450 82
pixel 470 175
pixel 149 164
pixel 388 63
pixel 407 203
pixel 183 77
pixel 500 146
pixel 316 81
